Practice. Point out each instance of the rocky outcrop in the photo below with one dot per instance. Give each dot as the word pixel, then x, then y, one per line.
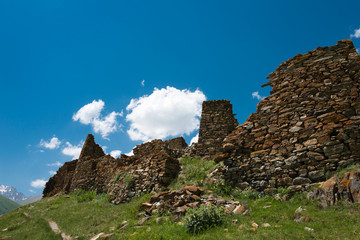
pixel 307 128
pixel 153 166
pixel 335 189
pixel 217 121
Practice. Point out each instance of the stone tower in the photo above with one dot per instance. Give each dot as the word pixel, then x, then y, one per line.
pixel 217 121
pixel 91 149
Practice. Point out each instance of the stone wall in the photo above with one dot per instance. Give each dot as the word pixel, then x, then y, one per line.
pixel 152 167
pixel 308 128
pixel 217 121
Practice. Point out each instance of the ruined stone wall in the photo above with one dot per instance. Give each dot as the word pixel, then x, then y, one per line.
pixel 153 166
pixel 306 129
pixel 217 121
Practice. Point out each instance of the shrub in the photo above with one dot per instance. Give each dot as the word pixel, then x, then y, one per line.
pixel 201 218
pixel 221 187
pixel 85 196
pixel 103 198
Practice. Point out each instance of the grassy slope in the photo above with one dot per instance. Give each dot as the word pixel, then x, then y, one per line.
pixel 88 218
pixel 6 205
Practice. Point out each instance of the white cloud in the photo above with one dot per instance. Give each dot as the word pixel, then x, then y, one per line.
pixel 166 112
pixel 73 151
pixel 51 172
pixel 56 164
pixel 257 96
pixel 52 144
pixel 38 183
pixel 32 191
pixel 115 153
pixel 194 139
pixel 131 153
pixel 356 33
pixel 91 114
pixel 143 83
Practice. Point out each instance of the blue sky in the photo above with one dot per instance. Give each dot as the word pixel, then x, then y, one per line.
pixel 130 71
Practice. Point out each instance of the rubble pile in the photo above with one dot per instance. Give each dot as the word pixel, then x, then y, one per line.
pixel 177 202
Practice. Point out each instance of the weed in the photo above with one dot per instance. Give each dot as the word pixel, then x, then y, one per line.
pixel 248 193
pixel 341 173
pixel 85 196
pixel 128 179
pixel 194 171
pixel 200 219
pixel 221 187
pixel 117 177
pixel 283 191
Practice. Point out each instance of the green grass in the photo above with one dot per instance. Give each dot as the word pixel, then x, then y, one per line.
pixel 194 172
pixel 341 173
pixel 6 205
pixel 85 219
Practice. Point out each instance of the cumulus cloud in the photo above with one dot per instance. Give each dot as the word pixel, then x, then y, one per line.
pixel 194 139
pixel 73 151
pixel 143 83
pixel 166 112
pixel 52 144
pixel 115 153
pixel 131 153
pixel 55 164
pixel 38 183
pixel 257 96
pixel 90 114
pixel 51 172
pixel 356 33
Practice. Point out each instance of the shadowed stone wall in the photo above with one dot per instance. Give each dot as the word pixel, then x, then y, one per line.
pixel 217 121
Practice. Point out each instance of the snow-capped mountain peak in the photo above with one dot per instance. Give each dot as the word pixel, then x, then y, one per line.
pixel 11 193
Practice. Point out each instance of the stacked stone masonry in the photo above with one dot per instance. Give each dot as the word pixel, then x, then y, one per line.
pixel 217 121
pixel 308 128
pixel 152 167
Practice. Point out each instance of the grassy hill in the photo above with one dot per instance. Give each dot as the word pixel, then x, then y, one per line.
pixel 6 205
pixel 83 215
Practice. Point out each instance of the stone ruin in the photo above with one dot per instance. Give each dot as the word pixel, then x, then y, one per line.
pixel 152 167
pixel 217 121
pixel 307 129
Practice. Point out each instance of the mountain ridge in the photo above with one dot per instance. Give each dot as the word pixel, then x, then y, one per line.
pixel 11 193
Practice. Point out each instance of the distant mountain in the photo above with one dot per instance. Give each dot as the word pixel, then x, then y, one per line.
pixel 6 205
pixel 11 193
pixel 30 199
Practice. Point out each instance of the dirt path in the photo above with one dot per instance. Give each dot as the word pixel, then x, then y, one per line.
pixel 55 228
